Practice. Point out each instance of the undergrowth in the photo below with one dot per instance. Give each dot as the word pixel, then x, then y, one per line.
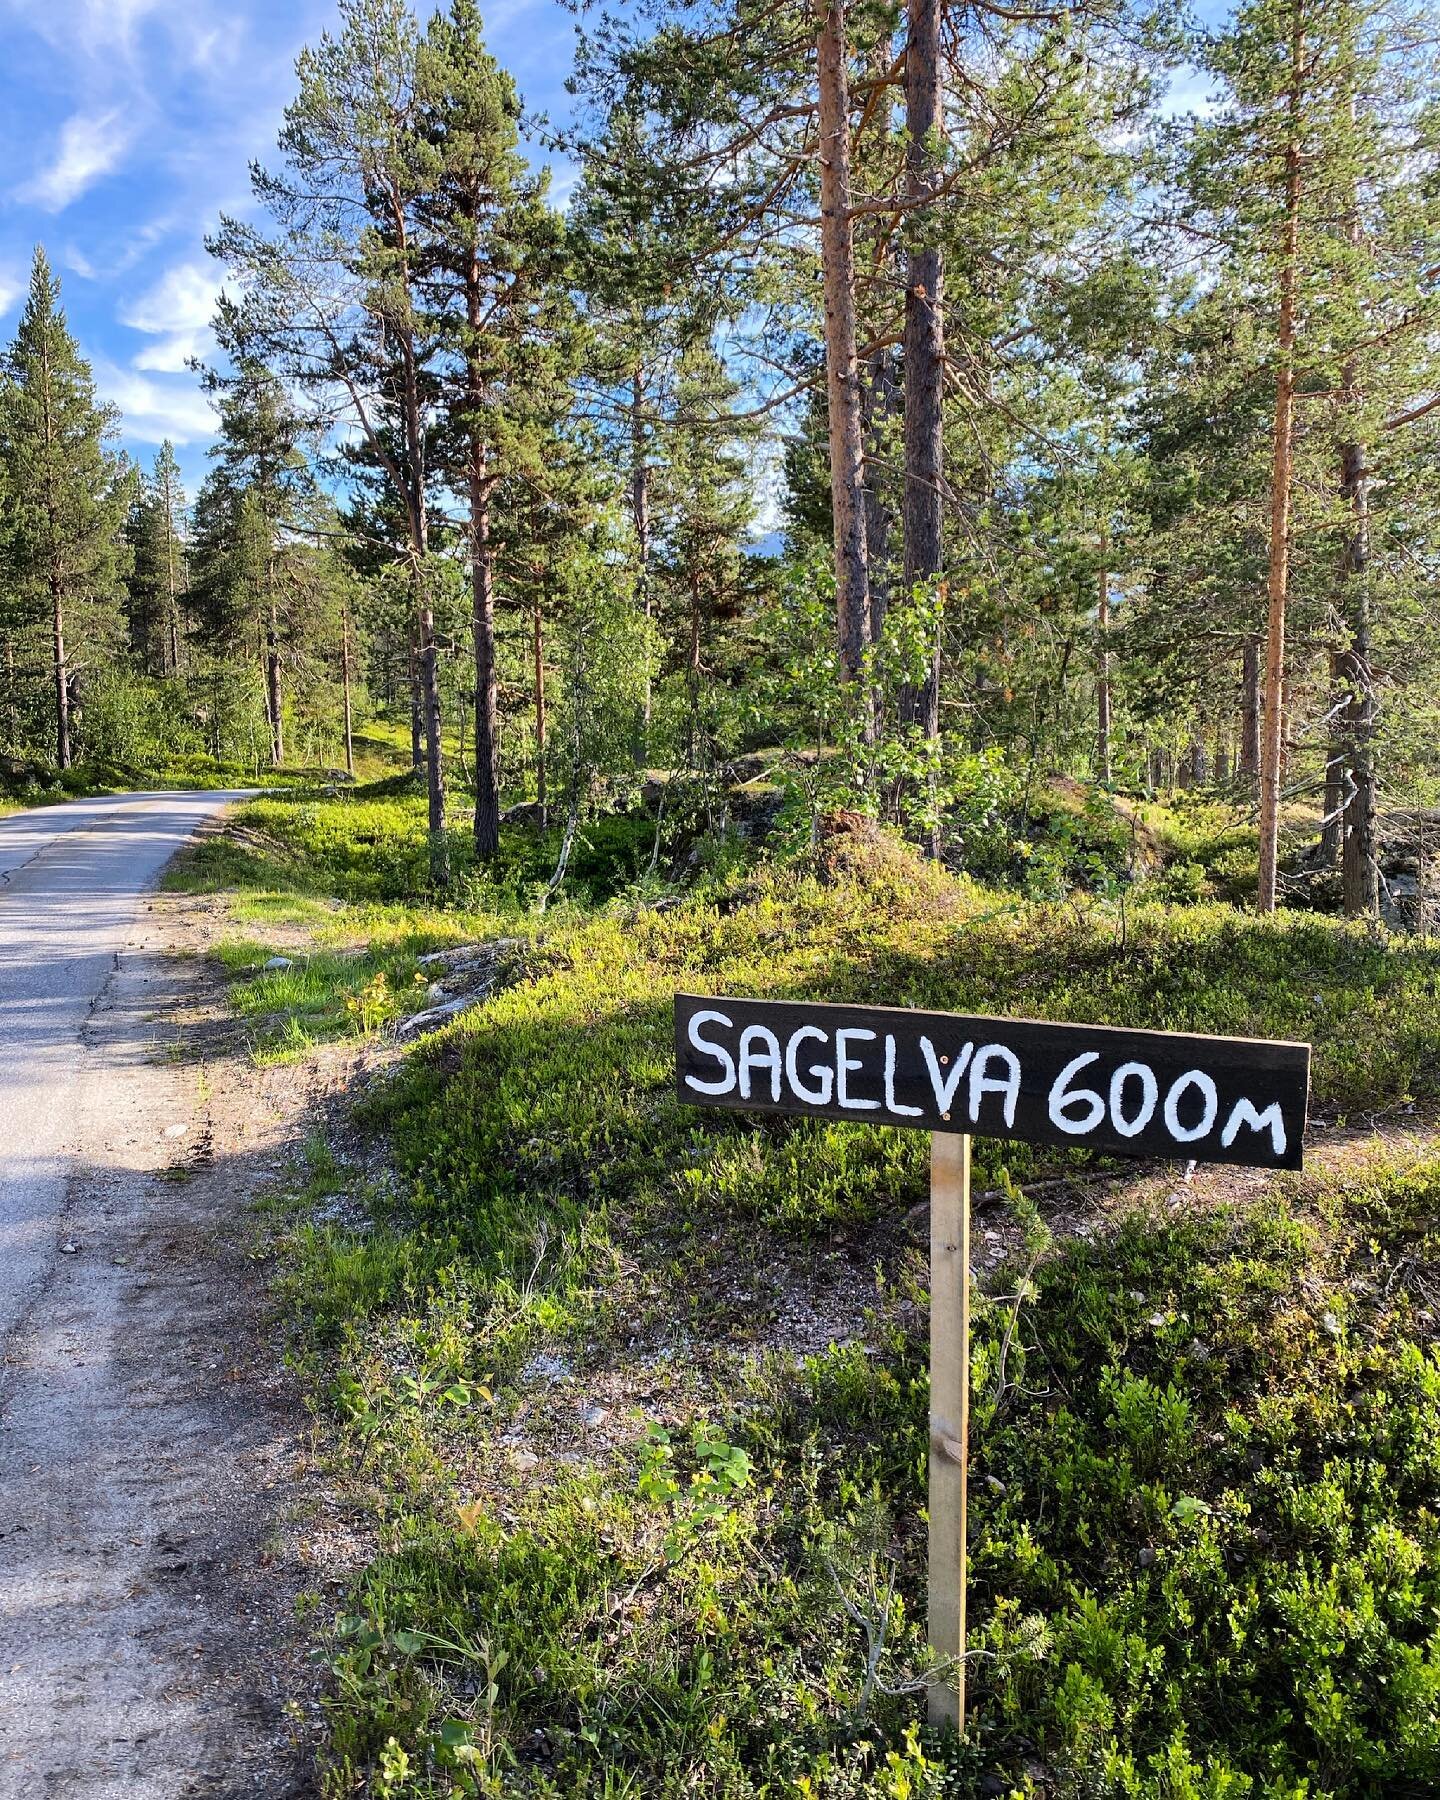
pixel 1206 1441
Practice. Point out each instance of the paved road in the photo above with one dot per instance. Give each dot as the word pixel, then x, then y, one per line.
pixel 71 880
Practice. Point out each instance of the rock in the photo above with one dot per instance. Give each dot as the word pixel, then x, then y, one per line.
pixel 69 1248
pixel 176 1131
pixel 524 1459
pixel 278 962
pixel 594 1415
pixel 436 1016
pixel 464 956
pixel 1147 1557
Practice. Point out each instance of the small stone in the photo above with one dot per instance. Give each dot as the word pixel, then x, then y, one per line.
pixel 1157 1320
pixel 1330 1325
pixel 277 962
pixel 1147 1557
pixel 69 1248
pixel 594 1415
pixel 176 1131
pixel 525 1459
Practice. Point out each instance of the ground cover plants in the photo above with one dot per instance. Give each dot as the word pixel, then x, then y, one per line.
pixel 634 1397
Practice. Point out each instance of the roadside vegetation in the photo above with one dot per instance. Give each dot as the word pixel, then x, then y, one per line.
pixel 633 1398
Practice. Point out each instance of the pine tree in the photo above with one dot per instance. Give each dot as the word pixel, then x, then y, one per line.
pixel 155 587
pixel 245 520
pixel 67 496
pixel 491 258
pixel 330 289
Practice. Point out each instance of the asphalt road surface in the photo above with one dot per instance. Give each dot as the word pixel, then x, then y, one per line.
pixel 71 882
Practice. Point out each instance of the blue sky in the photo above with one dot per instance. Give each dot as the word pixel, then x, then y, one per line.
pixel 126 127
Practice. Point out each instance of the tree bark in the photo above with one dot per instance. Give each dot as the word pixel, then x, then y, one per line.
pixel 417 735
pixel 924 342
pixel 1359 862
pixel 837 260
pixel 1104 767
pixel 1271 746
pixel 345 680
pixel 274 697
pixel 172 577
pixel 1331 830
pixel 62 673
pixel 1248 758
pixel 692 669
pixel 487 715
pixel 538 633
pixel 640 514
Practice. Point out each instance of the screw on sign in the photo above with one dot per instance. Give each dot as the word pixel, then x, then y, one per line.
pixel 1126 1093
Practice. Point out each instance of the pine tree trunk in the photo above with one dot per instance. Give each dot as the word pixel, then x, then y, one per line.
pixel 1272 740
pixel 172 584
pixel 1332 828
pixel 924 342
pixel 1104 770
pixel 273 695
pixel 417 730
pixel 837 260
pixel 1360 862
pixel 62 674
pixel 434 758
pixel 538 637
pixel 640 514
pixel 1248 760
pixel 482 606
pixel 345 678
pixel 12 714
pixel 879 392
pixel 692 671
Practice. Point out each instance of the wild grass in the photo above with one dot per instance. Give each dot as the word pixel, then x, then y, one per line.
pixel 1204 1520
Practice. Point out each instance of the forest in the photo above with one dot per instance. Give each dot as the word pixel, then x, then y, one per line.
pixel 928 406
pixel 928 506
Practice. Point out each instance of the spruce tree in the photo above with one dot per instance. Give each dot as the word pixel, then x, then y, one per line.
pixel 67 498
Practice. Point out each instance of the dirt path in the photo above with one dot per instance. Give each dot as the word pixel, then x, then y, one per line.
pixel 155 1473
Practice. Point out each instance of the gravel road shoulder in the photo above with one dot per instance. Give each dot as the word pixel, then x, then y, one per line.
pixel 161 1503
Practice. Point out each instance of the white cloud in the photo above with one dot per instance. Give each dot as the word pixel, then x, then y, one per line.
pixel 176 311
pixel 89 148
pixel 12 286
pixel 154 410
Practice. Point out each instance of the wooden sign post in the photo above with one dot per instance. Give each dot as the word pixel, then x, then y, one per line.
pixel 949 1413
pixel 1128 1093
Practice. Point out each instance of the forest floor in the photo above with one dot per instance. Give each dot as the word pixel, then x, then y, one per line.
pixel 620 1410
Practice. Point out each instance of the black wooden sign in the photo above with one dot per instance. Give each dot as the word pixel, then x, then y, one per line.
pixel 1138 1093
